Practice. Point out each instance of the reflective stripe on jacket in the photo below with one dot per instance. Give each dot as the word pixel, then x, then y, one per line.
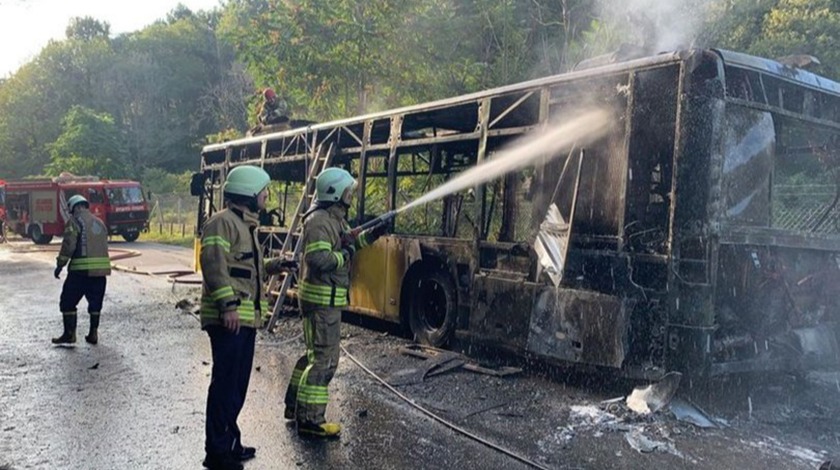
pixel 232 269
pixel 85 245
pixel 325 274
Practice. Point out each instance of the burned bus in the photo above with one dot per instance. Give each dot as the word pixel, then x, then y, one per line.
pixel 701 234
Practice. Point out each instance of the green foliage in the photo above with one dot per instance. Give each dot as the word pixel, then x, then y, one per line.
pixel 170 234
pixel 776 28
pixel 166 87
pixel 159 181
pixel 88 145
pixel 87 28
pixel 223 136
pixel 172 86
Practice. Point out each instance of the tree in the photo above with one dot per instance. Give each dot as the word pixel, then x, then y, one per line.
pixel 34 100
pixel 88 145
pixel 803 27
pixel 776 28
pixel 87 29
pixel 164 91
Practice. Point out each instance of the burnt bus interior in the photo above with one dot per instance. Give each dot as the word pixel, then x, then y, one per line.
pixel 778 268
pixel 703 228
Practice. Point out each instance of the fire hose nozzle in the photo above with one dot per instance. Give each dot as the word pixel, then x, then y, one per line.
pixel 382 219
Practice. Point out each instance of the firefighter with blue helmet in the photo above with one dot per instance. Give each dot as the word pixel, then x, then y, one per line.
pixel 323 291
pixel 84 251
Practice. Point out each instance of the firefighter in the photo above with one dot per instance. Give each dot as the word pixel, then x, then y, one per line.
pixel 232 305
pixel 273 110
pixel 84 250
pixel 323 291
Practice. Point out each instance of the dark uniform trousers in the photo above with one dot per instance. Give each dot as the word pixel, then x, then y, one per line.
pixel 233 356
pixel 78 285
pixel 307 391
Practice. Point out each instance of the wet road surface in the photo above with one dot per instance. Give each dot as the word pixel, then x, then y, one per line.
pixel 137 399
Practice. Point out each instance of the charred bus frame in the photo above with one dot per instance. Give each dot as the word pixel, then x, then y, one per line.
pixel 688 244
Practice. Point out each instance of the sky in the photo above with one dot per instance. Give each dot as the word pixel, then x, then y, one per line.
pixel 27 25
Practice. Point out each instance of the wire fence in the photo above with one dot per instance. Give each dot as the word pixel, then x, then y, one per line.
pixel 173 214
pixel 809 208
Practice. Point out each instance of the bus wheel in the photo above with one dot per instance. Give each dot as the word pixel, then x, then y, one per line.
pixel 432 309
pixel 130 236
pixel 38 236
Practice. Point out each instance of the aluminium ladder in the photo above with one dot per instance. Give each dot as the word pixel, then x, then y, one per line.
pixel 321 161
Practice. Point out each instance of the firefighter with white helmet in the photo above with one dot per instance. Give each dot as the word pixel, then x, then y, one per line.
pixel 233 304
pixel 84 250
pixel 323 291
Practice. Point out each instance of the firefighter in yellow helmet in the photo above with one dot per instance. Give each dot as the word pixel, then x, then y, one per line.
pixel 323 290
pixel 233 303
pixel 84 250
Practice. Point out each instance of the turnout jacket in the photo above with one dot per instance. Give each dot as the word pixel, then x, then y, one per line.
pixel 233 270
pixel 325 272
pixel 84 248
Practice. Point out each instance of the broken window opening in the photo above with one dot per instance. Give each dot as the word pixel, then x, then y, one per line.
pixel 651 160
pixel 806 179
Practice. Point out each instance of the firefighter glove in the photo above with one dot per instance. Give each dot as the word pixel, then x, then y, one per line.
pixel 57 272
pixel 374 233
pixel 348 239
pixel 348 252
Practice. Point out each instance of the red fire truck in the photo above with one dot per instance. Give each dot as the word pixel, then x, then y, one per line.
pixel 37 208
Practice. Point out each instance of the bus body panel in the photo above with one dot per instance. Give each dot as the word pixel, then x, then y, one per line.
pixel 705 228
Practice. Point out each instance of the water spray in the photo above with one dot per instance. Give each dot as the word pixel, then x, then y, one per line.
pixel 543 143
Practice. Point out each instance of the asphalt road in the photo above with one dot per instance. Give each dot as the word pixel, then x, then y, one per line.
pixel 137 399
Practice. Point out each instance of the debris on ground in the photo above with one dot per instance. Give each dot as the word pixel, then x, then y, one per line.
pixel 690 413
pixel 644 444
pixel 184 304
pixel 439 361
pixel 654 397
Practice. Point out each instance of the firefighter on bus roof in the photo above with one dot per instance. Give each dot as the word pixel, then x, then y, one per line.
pixel 84 250
pixel 273 110
pixel 322 292
pixel 233 303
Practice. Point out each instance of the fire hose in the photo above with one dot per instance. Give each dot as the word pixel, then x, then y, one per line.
pixel 441 420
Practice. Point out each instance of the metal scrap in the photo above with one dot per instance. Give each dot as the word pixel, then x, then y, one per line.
pixel 654 397
pixel 445 361
pixel 690 413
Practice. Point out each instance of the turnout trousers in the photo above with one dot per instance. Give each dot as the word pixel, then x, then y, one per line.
pixel 233 356
pixel 307 391
pixel 78 285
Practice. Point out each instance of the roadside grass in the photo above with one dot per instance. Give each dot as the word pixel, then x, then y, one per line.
pixel 169 234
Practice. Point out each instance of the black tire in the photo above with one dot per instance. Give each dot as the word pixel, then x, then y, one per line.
pixel 130 236
pixel 38 237
pixel 432 308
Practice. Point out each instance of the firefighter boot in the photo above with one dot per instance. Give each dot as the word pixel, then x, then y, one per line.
pixel 221 462
pixel 69 335
pixel 319 430
pixel 93 335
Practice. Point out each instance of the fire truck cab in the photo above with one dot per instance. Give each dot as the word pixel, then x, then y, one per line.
pixel 36 209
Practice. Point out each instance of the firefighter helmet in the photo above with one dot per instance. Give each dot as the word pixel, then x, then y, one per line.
pixel 333 185
pixel 77 199
pixel 246 181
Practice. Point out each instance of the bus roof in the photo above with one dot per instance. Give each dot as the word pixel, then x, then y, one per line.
pixel 773 67
pixel 736 59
